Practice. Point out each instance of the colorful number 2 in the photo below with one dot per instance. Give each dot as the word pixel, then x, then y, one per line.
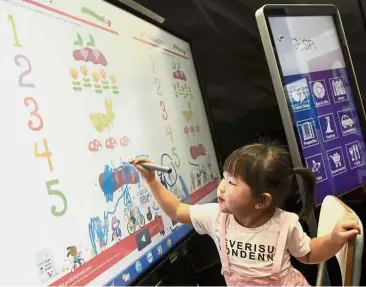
pixel 35 114
pixel 25 73
pixel 51 191
pixel 158 87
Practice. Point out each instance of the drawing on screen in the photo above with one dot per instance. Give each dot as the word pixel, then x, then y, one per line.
pixel 201 174
pixel 136 219
pixel 88 53
pixel 188 113
pixel 149 214
pixel 98 230
pixel 197 151
pixel 116 230
pixel 45 265
pixel 110 143
pixel 96 16
pixel 95 145
pixel 125 141
pixel 180 85
pixel 92 76
pixel 75 256
pixel 101 121
pixel 168 179
pixel 113 179
pixel 191 129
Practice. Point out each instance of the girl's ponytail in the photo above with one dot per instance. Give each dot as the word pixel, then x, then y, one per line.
pixel 308 190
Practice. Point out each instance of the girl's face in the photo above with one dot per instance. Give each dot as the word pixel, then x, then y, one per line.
pixel 235 196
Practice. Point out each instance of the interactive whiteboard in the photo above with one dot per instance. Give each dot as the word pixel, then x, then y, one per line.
pixel 85 87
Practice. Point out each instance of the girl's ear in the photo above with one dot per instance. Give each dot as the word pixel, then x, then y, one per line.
pixel 264 200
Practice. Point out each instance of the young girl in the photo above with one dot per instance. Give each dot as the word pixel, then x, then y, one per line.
pixel 255 238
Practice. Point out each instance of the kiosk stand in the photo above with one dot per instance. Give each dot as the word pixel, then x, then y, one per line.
pixel 317 94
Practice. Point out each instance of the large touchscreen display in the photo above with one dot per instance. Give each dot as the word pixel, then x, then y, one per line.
pixel 321 99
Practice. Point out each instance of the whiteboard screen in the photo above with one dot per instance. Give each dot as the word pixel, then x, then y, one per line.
pixel 85 87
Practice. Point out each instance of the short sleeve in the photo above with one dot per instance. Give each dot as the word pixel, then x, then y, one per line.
pixel 203 217
pixel 298 240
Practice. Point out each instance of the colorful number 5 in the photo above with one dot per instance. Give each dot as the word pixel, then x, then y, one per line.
pixel 51 191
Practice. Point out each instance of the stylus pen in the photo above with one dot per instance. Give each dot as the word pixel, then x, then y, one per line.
pixel 155 167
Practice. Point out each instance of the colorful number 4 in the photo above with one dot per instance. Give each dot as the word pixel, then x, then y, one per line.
pixel 169 132
pixel 47 154
pixel 55 192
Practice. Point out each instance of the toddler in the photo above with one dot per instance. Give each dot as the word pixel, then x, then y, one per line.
pixel 254 237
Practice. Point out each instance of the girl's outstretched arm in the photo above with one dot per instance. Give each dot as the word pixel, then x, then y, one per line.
pixel 167 201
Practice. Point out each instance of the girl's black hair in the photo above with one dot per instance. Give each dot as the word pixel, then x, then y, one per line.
pixel 267 168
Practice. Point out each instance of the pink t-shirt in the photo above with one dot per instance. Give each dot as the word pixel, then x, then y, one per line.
pixel 252 248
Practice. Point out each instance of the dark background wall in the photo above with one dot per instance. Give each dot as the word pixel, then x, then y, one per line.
pixel 233 65
pixel 240 95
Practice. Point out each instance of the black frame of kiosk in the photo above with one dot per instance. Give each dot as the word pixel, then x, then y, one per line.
pixel 179 246
pixel 278 82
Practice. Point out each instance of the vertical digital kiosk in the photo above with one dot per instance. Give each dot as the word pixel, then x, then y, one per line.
pixel 317 94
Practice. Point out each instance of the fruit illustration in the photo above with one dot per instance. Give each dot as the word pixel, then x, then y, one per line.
pixel 74 73
pixel 84 70
pixel 89 53
pixel 95 77
pixel 188 113
pixel 103 74
pixel 113 79
pixel 101 121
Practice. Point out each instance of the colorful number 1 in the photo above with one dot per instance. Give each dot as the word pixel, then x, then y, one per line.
pixel 15 33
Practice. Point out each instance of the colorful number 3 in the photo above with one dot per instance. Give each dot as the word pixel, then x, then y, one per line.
pixel 34 113
pixel 165 113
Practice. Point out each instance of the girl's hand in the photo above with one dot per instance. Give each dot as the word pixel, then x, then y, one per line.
pixel 147 174
pixel 346 228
